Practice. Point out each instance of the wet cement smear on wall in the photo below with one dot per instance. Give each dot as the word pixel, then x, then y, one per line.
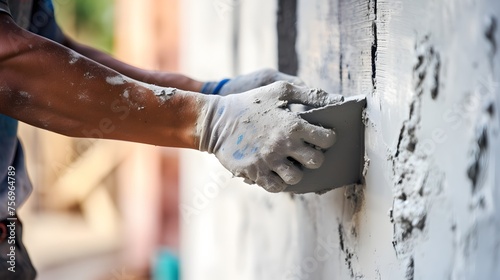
pixel 406 56
pixel 416 179
pixel 480 151
pixel 348 246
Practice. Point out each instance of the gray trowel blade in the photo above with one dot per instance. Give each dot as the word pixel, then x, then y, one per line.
pixel 344 161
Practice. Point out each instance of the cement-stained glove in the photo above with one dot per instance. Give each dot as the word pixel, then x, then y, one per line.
pixel 255 136
pixel 249 81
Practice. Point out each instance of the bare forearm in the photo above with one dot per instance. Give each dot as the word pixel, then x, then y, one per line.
pixel 52 87
pixel 151 77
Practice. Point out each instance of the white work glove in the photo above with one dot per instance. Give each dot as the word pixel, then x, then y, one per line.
pixel 249 81
pixel 255 136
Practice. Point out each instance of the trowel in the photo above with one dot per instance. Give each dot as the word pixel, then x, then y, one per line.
pixel 344 161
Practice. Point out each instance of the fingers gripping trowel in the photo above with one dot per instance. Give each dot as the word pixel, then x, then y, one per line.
pixel 344 161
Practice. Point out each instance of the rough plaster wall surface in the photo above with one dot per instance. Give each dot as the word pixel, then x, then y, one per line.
pixel 222 216
pixel 429 206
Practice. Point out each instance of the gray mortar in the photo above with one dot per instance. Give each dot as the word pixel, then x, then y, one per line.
pixel 490 33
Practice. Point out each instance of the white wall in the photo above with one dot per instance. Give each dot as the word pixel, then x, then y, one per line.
pixel 428 208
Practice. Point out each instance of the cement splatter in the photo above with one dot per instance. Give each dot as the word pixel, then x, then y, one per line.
pixel 366 165
pixel 410 269
pixel 435 86
pixel 479 154
pixel 83 96
pixel 117 80
pixel 490 33
pixel 341 236
pixel 347 244
pixel 163 93
pixel 126 94
pixel 73 57
pixel 365 118
pixel 24 94
pixel 287 35
pixel 416 180
pixel 354 194
pixel 428 60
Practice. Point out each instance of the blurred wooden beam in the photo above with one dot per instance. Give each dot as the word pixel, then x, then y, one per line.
pixel 85 174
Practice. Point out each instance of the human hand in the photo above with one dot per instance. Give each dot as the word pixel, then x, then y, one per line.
pixel 255 136
pixel 249 81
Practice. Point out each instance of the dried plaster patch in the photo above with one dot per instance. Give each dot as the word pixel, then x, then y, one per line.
pixel 416 180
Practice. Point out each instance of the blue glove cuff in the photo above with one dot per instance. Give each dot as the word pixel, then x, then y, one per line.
pixel 213 87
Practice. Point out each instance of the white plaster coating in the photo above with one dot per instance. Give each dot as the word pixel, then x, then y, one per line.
pixel 435 84
pixel 88 75
pixel 366 165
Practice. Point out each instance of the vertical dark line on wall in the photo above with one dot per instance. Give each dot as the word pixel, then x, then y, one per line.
pixel 287 37
pixel 236 39
pixel 341 58
pixel 374 45
pixel 341 69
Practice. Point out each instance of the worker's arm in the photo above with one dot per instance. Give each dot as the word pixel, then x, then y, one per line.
pixel 253 134
pixel 238 84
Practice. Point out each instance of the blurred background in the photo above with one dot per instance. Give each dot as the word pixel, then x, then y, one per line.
pixel 110 210
pixel 106 209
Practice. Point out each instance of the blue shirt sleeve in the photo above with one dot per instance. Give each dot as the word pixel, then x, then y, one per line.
pixel 43 21
pixel 11 154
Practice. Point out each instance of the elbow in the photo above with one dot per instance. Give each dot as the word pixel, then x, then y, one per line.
pixel 15 39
